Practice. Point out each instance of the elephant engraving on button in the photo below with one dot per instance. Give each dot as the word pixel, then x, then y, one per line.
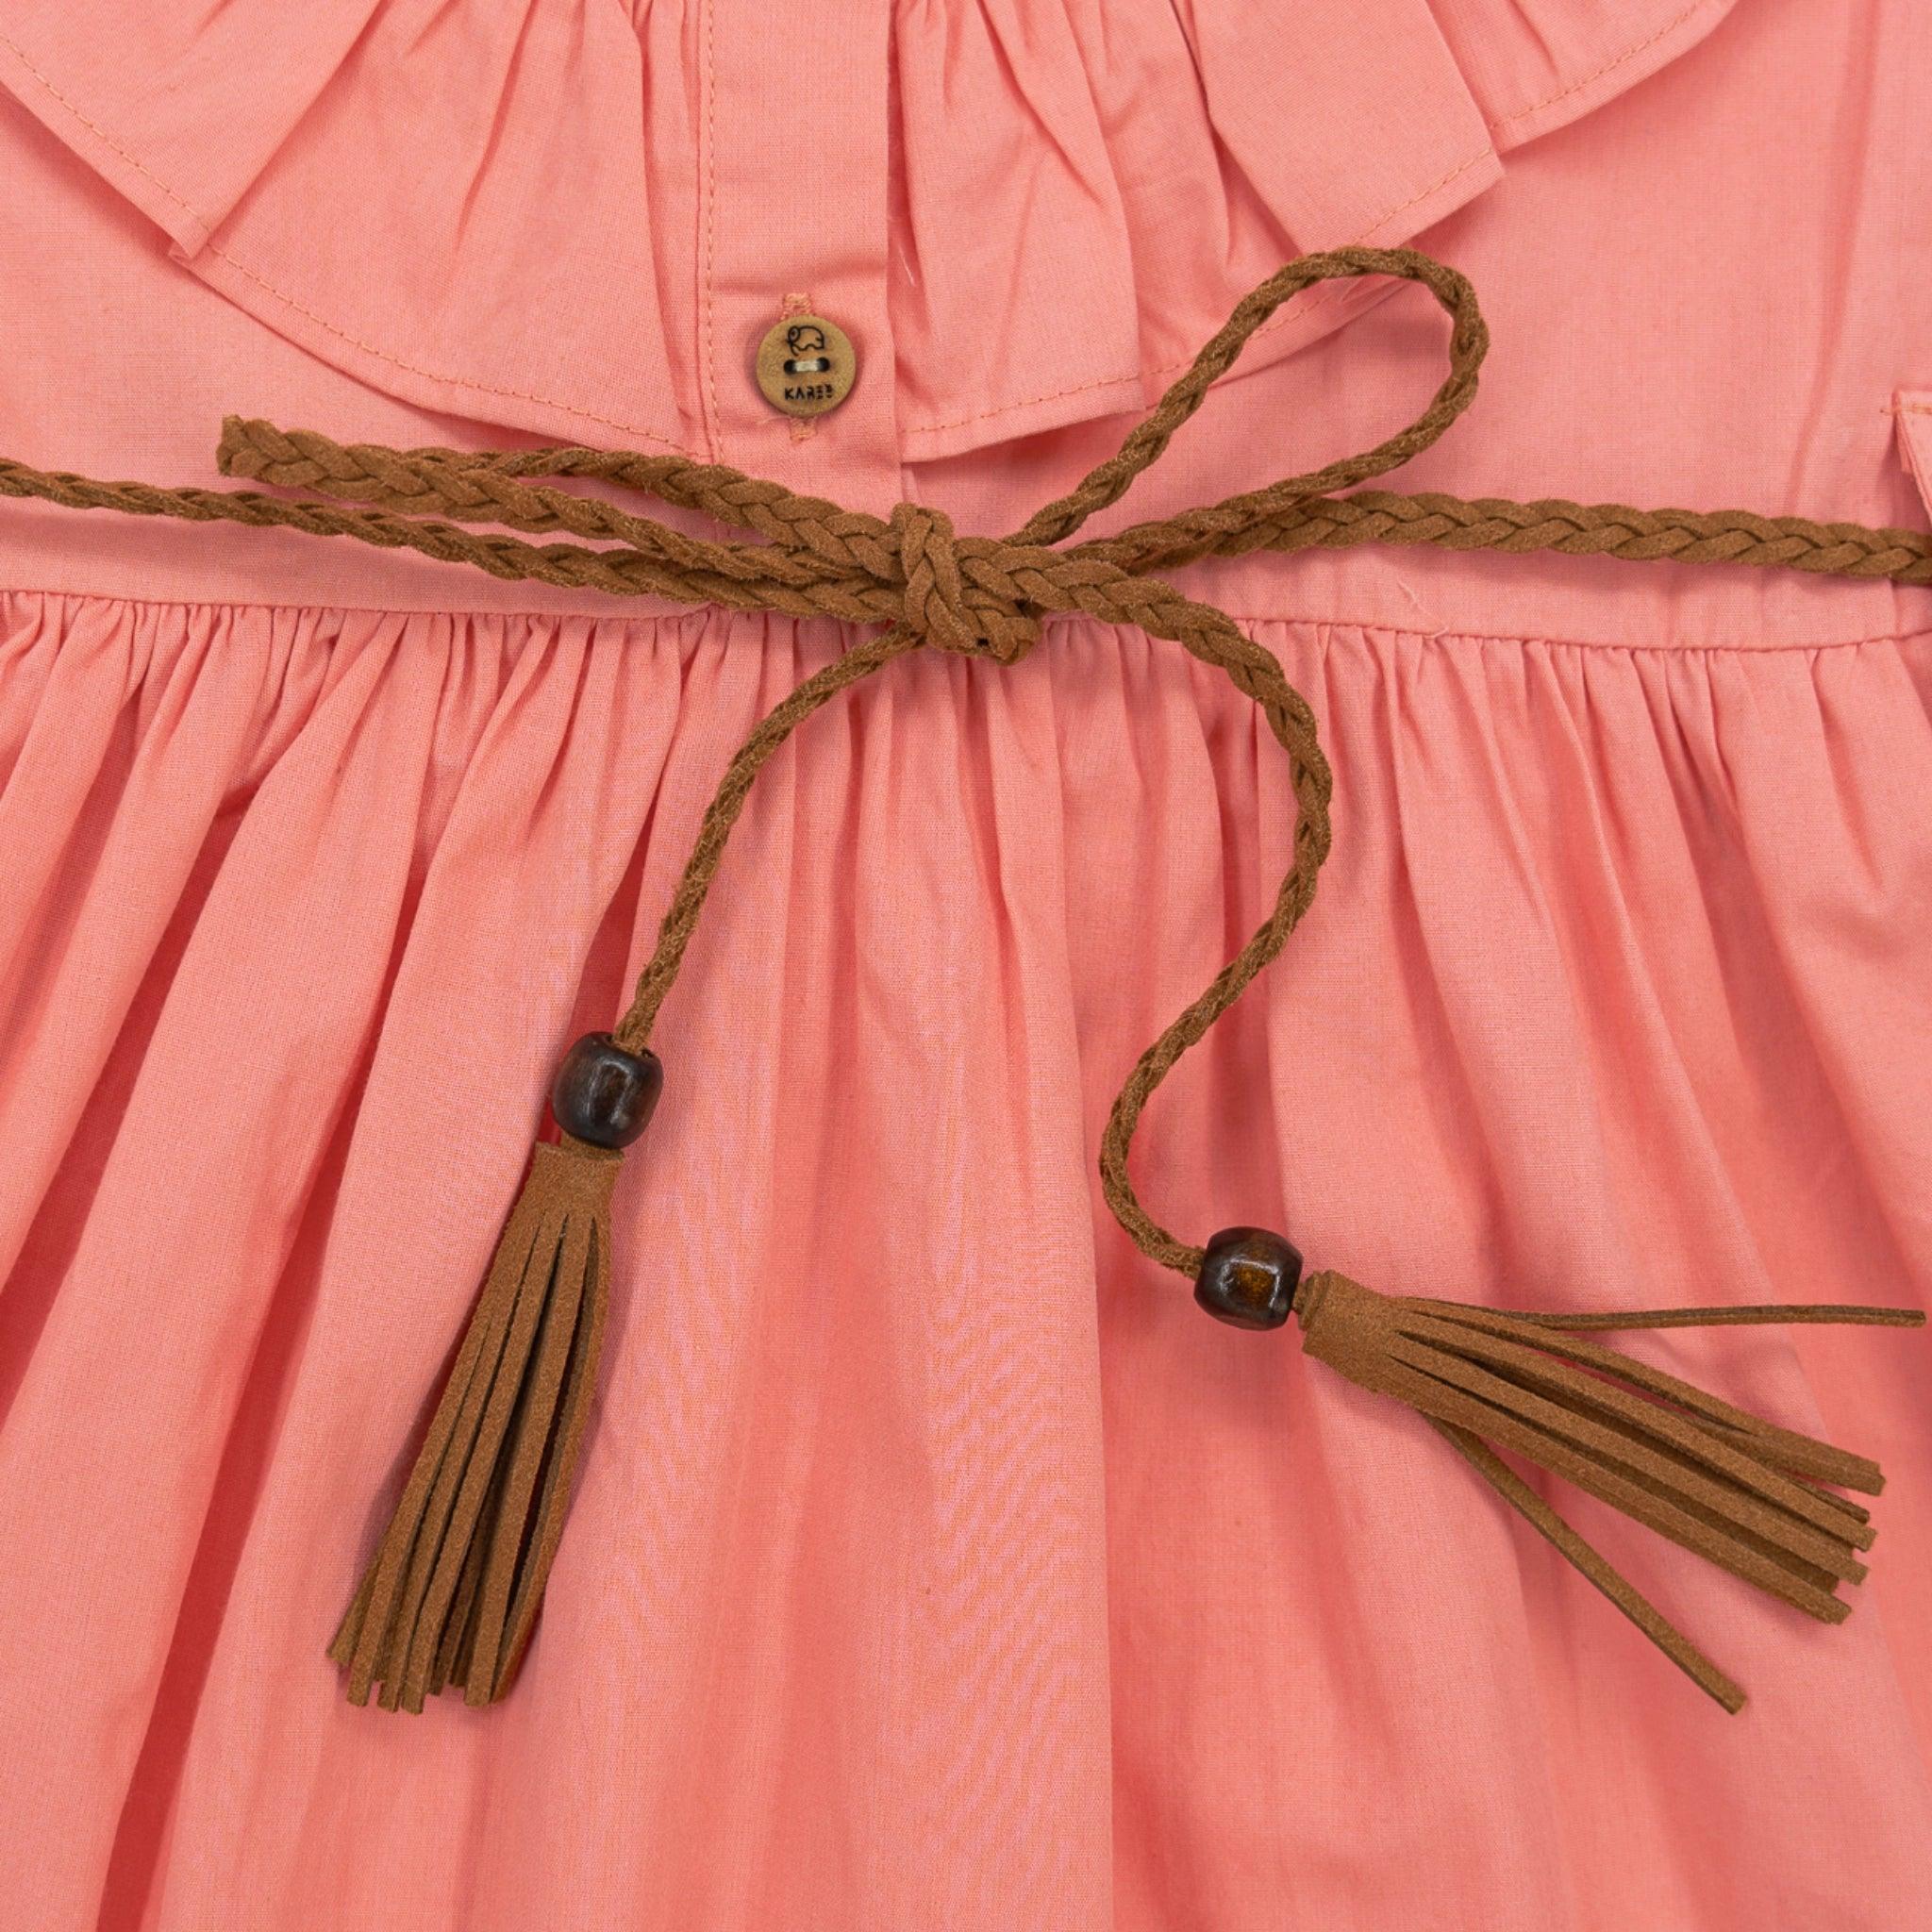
pixel 806 342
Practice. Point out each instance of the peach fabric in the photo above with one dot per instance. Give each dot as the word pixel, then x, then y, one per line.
pixel 910 1586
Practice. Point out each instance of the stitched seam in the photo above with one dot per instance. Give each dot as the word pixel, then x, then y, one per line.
pixel 429 374
pixel 214 248
pixel 710 274
pixel 606 616
pixel 1078 389
pixel 1487 152
pixel 101 134
pixel 1316 300
pixel 1663 33
pixel 1328 295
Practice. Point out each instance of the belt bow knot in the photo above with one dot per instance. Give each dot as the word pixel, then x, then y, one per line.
pixel 961 593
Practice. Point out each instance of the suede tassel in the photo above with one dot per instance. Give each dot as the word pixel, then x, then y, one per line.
pixel 452 1592
pixel 1737 1490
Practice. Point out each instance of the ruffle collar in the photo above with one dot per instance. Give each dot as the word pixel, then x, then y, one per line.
pixel 497 211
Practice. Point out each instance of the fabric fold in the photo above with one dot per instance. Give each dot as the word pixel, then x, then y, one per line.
pixel 198 1224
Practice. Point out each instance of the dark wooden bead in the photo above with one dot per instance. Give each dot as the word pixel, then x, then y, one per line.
pixel 1248 1276
pixel 605 1095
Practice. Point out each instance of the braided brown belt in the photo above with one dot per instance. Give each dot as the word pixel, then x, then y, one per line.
pixel 453 1592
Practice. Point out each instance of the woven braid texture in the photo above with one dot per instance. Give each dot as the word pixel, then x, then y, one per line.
pixel 924 584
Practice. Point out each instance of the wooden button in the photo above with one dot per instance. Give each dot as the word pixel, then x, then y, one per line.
pixel 806 365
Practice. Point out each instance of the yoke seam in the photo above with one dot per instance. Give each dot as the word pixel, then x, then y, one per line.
pixel 688 613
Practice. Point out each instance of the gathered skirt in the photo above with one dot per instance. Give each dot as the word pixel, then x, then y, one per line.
pixel 933 1563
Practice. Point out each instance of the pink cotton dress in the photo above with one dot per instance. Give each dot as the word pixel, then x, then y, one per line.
pixel 935 1567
